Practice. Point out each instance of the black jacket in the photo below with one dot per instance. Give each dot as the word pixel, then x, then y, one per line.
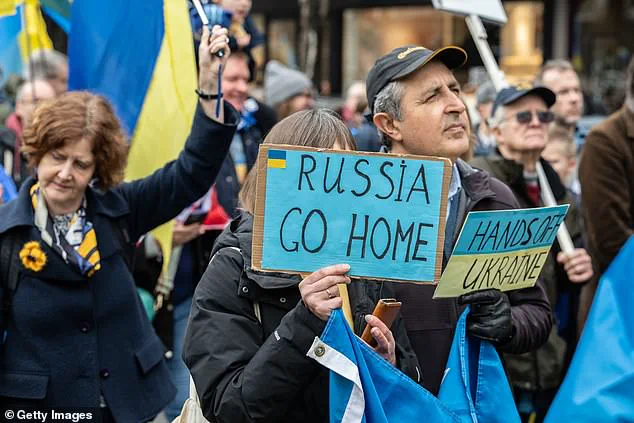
pixel 247 371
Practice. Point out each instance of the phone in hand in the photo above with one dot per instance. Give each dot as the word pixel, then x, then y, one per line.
pixel 386 310
pixel 195 218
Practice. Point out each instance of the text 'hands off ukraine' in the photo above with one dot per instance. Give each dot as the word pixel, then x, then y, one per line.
pixel 382 214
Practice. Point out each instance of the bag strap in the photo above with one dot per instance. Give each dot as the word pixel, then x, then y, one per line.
pixel 8 280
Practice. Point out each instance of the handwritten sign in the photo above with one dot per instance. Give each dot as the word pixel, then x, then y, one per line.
pixel 504 249
pixel 382 214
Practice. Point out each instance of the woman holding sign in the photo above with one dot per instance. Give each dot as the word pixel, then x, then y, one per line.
pixel 249 331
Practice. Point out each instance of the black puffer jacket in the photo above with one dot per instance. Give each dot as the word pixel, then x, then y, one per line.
pixel 247 371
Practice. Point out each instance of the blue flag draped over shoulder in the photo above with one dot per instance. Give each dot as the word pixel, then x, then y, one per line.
pixel 366 388
pixel 599 386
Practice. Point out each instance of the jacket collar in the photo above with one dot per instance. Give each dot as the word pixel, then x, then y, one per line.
pixel 628 118
pixel 19 212
pixel 476 184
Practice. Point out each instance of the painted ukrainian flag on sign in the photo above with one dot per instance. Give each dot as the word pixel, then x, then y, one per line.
pixel 139 55
pixel 277 159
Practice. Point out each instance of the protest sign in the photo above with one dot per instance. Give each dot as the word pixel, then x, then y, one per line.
pixel 489 10
pixel 503 249
pixel 382 214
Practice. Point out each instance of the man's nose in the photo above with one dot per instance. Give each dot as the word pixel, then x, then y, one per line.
pixel 455 103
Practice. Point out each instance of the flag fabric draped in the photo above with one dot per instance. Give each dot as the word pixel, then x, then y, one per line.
pixel 140 56
pixel 366 388
pixel 599 385
pixel 22 31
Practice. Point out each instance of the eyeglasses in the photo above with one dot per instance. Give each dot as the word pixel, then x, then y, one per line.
pixel 526 116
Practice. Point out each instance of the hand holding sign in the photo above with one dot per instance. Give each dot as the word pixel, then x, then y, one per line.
pixel 490 316
pixel 319 290
pixel 577 265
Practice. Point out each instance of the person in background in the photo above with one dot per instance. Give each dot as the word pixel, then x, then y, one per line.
pixel 561 154
pixel 520 119
pixel 287 90
pixel 29 95
pixel 606 174
pixel 485 142
pixel 8 191
pixel 416 103
pixel 249 331
pixel 355 96
pixel 75 334
pixel 51 66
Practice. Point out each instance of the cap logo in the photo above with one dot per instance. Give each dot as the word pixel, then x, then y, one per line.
pixel 524 85
pixel 407 52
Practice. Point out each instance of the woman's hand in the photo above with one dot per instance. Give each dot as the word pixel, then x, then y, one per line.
pixel 208 62
pixel 578 265
pixel 182 233
pixel 319 290
pixel 386 346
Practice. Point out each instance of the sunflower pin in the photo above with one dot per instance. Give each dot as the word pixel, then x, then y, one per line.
pixel 32 256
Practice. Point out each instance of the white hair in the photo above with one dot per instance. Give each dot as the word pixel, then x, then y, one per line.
pixel 45 64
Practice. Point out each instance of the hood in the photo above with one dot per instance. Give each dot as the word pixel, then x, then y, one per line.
pixel 239 234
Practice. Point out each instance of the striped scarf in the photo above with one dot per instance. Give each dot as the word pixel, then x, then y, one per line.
pixel 72 237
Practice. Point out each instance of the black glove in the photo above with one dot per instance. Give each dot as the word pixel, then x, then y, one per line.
pixel 490 315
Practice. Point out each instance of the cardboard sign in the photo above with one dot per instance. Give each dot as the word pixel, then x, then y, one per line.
pixel 488 10
pixel 382 214
pixel 503 249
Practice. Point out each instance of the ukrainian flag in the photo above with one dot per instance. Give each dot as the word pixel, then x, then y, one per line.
pixel 277 159
pixel 22 31
pixel 139 55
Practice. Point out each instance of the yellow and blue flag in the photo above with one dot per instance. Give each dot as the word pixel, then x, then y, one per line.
pixel 140 56
pixel 364 388
pixel 599 385
pixel 22 31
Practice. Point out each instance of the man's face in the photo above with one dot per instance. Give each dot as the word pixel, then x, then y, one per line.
pixel 239 8
pixel 514 137
pixel 235 81
pixel 569 105
pixel 434 117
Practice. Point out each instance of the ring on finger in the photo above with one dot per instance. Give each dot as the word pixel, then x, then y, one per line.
pixel 330 295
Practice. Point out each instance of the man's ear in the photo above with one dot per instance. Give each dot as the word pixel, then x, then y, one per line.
pixel 388 125
pixel 497 134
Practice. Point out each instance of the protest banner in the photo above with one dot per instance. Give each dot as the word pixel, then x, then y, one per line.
pixel 489 10
pixel 504 249
pixel 382 214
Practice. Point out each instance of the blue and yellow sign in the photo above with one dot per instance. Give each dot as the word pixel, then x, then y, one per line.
pixel 384 215
pixel 503 249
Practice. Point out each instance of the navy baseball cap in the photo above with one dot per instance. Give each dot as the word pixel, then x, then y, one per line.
pixel 403 61
pixel 511 94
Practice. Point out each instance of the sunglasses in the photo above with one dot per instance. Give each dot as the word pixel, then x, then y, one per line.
pixel 527 116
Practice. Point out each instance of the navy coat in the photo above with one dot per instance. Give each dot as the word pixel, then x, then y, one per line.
pixel 71 338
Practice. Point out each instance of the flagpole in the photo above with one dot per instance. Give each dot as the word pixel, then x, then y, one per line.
pixel 474 23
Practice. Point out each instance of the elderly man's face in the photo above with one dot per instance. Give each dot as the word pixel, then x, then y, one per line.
pixel 434 117
pixel 566 85
pixel 515 137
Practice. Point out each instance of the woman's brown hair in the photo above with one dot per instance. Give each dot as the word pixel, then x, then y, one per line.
pixel 74 116
pixel 319 128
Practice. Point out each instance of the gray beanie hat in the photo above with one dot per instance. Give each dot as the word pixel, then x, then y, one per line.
pixel 282 83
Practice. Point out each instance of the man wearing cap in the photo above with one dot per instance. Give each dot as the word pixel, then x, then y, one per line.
pixel 519 122
pixel 416 105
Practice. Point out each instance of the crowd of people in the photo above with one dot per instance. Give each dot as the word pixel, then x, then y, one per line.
pixel 75 331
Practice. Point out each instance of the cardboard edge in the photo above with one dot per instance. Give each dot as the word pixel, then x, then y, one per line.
pixel 260 204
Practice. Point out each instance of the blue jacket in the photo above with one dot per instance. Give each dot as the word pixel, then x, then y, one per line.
pixel 70 338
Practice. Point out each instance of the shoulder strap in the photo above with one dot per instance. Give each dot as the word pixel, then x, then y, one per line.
pixel 8 280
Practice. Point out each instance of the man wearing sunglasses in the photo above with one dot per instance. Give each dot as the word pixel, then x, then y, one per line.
pixel 519 122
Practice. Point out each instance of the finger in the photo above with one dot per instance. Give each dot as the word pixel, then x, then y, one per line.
pixel 329 282
pixel 375 322
pixel 382 344
pixel 218 45
pixel 562 257
pixel 337 269
pixel 324 307
pixel 579 268
pixel 205 35
pixel 487 296
pixel 574 261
